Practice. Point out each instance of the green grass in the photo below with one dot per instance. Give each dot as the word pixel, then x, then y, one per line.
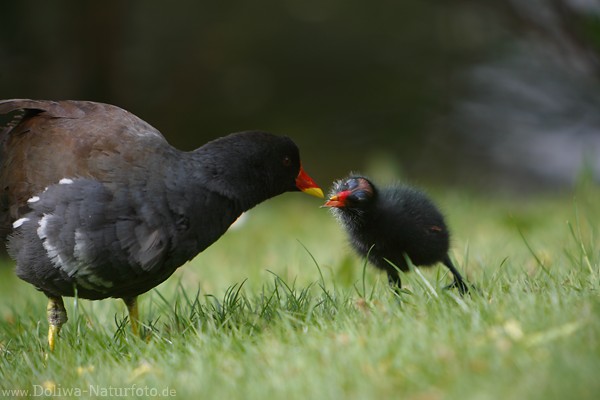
pixel 280 308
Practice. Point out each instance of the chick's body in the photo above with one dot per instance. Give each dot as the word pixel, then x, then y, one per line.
pixel 389 224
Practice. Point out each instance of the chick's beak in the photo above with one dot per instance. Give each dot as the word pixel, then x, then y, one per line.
pixel 308 185
pixel 337 200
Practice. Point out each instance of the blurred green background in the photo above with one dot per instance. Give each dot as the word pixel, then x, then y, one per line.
pixel 488 94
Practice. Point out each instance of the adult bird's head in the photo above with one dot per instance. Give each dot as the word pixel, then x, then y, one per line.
pixel 254 166
pixel 355 192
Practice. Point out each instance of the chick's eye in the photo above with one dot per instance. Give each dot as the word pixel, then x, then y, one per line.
pixel 287 161
pixel 360 196
pixel 352 184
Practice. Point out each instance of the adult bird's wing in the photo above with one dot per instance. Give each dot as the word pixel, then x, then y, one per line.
pixel 82 234
pixel 50 140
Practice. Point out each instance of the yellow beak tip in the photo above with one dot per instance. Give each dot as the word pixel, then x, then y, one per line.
pixel 314 191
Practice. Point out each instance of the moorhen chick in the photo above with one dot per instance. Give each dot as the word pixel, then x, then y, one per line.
pixel 97 204
pixel 386 225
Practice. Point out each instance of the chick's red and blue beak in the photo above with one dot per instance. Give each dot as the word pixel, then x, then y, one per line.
pixel 338 200
pixel 308 185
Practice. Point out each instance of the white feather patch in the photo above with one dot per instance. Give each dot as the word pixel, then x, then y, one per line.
pixel 43 224
pixel 34 199
pixel 19 222
pixel 51 250
pixel 65 181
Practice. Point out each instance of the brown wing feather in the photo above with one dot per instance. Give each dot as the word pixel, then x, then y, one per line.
pixel 67 139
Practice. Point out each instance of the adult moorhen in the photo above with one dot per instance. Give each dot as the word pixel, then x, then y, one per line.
pixel 388 224
pixel 100 205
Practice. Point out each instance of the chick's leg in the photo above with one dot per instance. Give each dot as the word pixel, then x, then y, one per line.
pixel 458 282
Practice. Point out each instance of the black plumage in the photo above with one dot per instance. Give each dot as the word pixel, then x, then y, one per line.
pixel 387 225
pixel 97 203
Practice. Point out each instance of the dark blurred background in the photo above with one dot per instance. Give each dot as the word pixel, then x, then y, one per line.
pixel 500 94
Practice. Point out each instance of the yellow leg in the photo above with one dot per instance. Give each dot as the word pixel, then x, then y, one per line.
pixel 57 316
pixel 134 315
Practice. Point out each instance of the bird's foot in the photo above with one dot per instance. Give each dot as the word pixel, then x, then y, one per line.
pixel 462 287
pixel 57 316
pixel 53 331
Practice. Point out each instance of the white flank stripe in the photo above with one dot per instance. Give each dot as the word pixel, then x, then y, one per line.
pixel 65 181
pixel 19 222
pixel 51 250
pixel 41 230
pixel 34 199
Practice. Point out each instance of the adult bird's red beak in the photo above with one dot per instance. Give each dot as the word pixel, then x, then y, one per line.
pixel 308 185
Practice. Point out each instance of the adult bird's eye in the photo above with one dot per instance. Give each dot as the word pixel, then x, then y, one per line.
pixel 287 161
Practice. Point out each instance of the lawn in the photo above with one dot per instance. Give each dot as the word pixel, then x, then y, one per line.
pixel 281 308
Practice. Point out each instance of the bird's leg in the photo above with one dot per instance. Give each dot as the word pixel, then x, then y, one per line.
pixel 132 307
pixel 458 282
pixel 57 316
pixel 394 280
